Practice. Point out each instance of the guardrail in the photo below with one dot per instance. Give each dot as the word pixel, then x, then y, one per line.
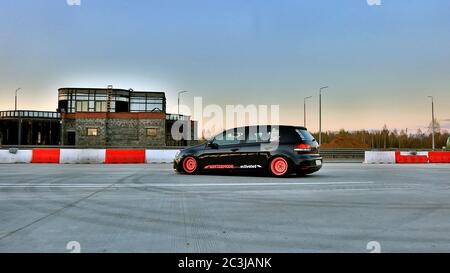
pixel 343 153
pixel 350 152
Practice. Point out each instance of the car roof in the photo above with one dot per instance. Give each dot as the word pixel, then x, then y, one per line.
pixel 279 126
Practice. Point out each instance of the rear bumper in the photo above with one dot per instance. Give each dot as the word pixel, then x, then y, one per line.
pixel 307 164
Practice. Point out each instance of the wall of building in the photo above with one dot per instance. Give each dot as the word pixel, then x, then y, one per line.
pixel 80 126
pixel 118 130
pixel 189 136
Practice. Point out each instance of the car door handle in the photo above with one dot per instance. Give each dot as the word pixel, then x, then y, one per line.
pixel 235 149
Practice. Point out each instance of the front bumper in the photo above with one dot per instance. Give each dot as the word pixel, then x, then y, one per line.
pixel 176 164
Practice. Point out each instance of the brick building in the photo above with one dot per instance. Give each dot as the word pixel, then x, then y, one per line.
pixel 93 117
pixel 114 129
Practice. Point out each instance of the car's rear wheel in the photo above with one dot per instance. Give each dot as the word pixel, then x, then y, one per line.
pixel 190 165
pixel 279 167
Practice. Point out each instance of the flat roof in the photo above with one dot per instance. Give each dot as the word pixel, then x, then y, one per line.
pixel 106 89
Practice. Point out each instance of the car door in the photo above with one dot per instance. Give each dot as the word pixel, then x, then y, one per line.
pixel 223 151
pixel 252 153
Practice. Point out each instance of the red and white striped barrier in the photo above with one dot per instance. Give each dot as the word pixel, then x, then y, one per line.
pixel 160 156
pixel 87 156
pixel 439 157
pixel 141 156
pixel 406 157
pixel 379 157
pixel 21 156
pixel 84 156
pixel 411 157
pixel 45 155
pixel 125 156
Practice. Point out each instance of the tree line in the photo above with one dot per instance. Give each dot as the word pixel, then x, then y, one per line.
pixel 385 139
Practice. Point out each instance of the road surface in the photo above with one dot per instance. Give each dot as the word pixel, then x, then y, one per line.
pixel 149 208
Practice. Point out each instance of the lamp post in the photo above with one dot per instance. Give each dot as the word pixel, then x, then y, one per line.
pixel 179 93
pixel 15 98
pixel 304 110
pixel 432 121
pixel 320 113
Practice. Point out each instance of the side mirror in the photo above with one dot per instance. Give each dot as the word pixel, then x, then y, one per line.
pixel 213 145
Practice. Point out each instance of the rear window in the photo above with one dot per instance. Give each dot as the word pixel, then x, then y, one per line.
pixel 305 135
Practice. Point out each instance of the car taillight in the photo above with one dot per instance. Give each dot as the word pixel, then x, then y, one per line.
pixel 302 148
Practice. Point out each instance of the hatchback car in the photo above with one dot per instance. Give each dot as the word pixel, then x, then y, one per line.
pixel 276 150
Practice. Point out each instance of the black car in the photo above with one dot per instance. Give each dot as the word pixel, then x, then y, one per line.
pixel 277 150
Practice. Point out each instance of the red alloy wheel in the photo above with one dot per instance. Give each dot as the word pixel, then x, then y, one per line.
pixel 279 166
pixel 189 165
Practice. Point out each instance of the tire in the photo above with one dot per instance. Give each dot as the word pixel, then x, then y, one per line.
pixel 189 165
pixel 279 167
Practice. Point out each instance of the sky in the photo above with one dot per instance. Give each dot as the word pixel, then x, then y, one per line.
pixel 380 62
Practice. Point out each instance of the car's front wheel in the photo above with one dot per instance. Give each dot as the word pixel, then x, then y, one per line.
pixel 279 167
pixel 190 165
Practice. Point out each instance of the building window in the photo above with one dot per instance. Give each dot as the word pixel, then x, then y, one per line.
pixel 145 103
pixel 92 132
pixel 82 106
pixel 152 132
pixel 100 106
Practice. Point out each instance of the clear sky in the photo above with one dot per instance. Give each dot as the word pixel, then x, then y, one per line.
pixel 380 62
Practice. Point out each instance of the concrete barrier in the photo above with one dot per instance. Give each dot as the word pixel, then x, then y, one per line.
pixel 411 157
pixel 83 156
pixel 160 156
pixel 439 157
pixel 111 156
pixel 124 156
pixel 379 157
pixel 45 156
pixel 22 156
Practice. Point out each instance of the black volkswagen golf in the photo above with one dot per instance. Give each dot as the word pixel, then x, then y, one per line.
pixel 276 150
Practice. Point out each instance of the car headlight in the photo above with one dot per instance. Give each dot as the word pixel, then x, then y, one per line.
pixel 177 154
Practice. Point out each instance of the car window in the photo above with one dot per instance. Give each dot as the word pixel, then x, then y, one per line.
pixel 275 134
pixel 258 135
pixel 305 135
pixel 230 137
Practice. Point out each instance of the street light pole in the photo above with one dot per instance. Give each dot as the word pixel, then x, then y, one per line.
pixel 304 110
pixel 432 121
pixel 320 114
pixel 179 93
pixel 15 98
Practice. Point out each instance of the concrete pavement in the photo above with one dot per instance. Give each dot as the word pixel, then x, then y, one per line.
pixel 149 208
